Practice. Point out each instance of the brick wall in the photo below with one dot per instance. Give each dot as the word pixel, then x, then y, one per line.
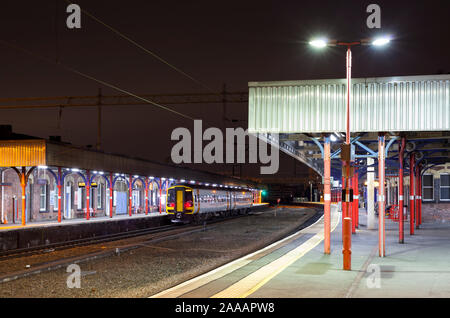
pixel 436 212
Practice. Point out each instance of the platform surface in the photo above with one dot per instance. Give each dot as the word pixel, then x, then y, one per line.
pixel 49 223
pixel 418 268
pixel 18 226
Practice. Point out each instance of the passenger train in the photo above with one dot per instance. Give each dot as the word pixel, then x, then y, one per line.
pixel 193 203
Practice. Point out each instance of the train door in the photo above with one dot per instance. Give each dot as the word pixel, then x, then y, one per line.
pixel 180 199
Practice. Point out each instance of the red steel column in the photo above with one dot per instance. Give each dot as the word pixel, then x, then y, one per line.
pixel 416 197
pixel 151 196
pixel 130 198
pixel 347 243
pixel 59 194
pixel 160 194
pixel 146 196
pixel 346 177
pixel 401 235
pixel 343 205
pixel 381 200
pixel 111 191
pixel 327 195
pixel 420 195
pixel 411 193
pixel 352 204
pixel 87 186
pixel 356 199
pixel 23 185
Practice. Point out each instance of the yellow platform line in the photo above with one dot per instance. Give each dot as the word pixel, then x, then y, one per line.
pixel 226 269
pixel 259 278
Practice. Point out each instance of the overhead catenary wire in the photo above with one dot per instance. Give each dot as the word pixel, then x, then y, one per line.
pixel 123 36
pixel 70 69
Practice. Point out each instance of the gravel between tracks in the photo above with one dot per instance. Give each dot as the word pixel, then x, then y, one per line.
pixel 154 267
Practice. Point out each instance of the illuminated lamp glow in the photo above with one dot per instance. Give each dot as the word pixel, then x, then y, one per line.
pixel 318 43
pixel 381 41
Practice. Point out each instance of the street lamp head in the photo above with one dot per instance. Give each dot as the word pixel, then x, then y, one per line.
pixel 318 43
pixel 381 41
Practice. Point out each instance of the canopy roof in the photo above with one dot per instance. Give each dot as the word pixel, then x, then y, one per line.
pixel 412 103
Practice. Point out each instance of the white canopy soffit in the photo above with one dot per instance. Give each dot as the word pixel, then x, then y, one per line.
pixel 409 104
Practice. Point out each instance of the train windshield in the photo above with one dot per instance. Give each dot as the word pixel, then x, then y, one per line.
pixel 171 197
pixel 188 198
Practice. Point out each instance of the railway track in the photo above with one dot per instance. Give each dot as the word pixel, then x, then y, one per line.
pixel 41 249
pixel 22 252
pixel 159 234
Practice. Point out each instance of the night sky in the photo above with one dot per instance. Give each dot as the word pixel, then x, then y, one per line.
pixel 217 42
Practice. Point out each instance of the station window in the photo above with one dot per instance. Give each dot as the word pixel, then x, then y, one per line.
pixel 427 187
pixel 91 197
pixel 100 196
pixel 445 187
pixel 55 196
pixel 81 202
pixel 43 198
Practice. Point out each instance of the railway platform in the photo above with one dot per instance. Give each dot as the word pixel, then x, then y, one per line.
pixel 298 268
pixel 15 236
pixel 51 223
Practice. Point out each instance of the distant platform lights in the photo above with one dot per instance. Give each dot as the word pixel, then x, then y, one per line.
pixel 95 172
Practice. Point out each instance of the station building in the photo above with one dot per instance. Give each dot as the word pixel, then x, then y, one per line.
pixel 45 180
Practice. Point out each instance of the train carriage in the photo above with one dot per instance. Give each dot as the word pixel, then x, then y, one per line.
pixel 189 203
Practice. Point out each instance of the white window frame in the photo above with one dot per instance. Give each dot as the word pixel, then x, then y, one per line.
pixel 91 198
pixel 440 187
pixel 427 187
pixel 100 196
pixel 80 199
pixel 55 192
pixel 44 208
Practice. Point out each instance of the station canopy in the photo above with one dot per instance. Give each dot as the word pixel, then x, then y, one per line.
pixel 18 150
pixel 290 113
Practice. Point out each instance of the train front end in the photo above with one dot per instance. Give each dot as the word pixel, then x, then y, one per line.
pixel 180 204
